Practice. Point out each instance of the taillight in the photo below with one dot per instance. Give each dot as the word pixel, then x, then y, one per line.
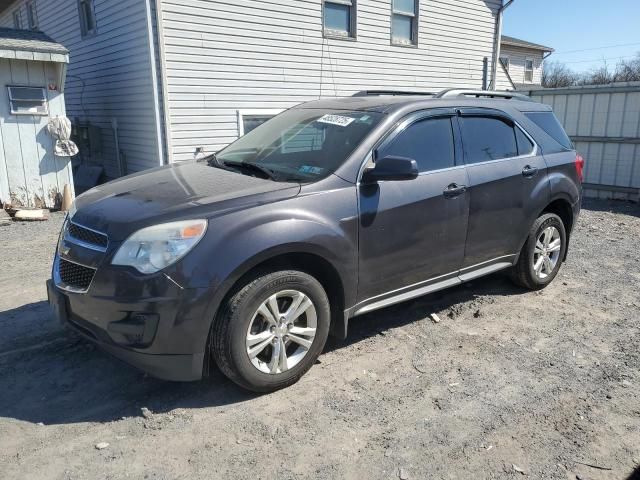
pixel 580 167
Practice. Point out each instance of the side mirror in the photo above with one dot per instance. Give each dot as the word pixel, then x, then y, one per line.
pixel 391 168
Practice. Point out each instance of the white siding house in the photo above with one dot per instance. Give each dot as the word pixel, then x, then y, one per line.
pixel 32 79
pixel 182 76
pixel 523 61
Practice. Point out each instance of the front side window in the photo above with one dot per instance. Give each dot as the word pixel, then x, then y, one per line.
pixel 429 142
pixel 87 17
pixel 487 138
pixel 339 18
pixel 17 21
pixel 28 101
pixel 302 145
pixel 528 70
pixel 32 15
pixel 404 22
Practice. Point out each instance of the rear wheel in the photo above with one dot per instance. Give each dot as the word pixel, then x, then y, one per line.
pixel 272 330
pixel 542 253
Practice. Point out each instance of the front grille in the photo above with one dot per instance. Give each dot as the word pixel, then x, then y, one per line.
pixel 74 275
pixel 87 236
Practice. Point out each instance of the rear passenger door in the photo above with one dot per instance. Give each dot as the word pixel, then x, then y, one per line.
pixel 508 185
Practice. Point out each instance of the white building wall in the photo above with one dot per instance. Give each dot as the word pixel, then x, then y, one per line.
pixel 30 174
pixel 109 75
pixel 223 56
pixel 517 57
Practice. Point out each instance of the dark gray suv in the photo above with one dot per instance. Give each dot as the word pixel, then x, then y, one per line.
pixel 250 258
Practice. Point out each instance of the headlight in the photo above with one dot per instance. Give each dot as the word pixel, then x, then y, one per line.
pixel 154 248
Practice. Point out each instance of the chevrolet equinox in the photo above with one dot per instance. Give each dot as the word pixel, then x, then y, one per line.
pixel 250 258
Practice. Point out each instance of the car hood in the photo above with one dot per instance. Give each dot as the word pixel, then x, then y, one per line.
pixel 174 192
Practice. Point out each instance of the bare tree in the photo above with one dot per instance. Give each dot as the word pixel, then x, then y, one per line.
pixel 556 74
pixel 597 76
pixel 628 70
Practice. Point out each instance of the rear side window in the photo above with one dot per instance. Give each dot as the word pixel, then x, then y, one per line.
pixel 487 138
pixel 525 146
pixel 429 142
pixel 550 124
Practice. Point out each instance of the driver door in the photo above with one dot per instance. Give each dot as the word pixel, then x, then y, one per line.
pixel 412 232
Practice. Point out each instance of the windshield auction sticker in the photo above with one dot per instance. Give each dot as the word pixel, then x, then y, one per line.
pixel 338 120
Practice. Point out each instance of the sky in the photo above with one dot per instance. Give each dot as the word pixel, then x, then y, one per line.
pixel 600 29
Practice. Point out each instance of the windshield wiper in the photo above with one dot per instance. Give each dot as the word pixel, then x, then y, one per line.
pixel 211 159
pixel 253 167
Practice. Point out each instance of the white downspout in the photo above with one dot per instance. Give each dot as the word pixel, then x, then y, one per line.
pixel 496 45
pixel 164 81
pixel 154 81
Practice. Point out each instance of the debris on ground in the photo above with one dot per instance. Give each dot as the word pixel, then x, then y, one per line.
pixel 102 445
pixel 435 318
pixel 30 215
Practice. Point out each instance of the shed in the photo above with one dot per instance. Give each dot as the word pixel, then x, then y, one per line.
pixel 32 76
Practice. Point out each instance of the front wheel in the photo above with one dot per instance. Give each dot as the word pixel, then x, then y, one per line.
pixel 271 331
pixel 542 253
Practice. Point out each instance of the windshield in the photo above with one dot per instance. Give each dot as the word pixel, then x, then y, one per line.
pixel 302 145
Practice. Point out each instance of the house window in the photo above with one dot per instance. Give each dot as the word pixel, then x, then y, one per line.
pixel 251 119
pixel 32 15
pixel 28 101
pixel 404 22
pixel 528 70
pixel 87 17
pixel 339 18
pixel 505 63
pixel 17 21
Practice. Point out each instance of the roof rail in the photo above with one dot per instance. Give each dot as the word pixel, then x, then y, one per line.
pixel 394 93
pixel 458 92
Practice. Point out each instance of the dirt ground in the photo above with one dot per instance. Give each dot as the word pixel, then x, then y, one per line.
pixel 508 384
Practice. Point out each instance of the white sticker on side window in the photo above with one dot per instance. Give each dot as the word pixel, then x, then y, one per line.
pixel 338 120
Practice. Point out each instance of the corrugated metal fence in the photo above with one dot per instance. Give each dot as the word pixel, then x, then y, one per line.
pixel 604 123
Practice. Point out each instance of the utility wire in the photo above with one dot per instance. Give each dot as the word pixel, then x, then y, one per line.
pixel 601 59
pixel 597 48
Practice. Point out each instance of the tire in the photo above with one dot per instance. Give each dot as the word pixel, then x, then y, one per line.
pixel 524 272
pixel 245 325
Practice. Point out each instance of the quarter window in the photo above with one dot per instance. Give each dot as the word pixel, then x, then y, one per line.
pixel 550 124
pixel 429 142
pixel 528 70
pixel 87 17
pixel 404 22
pixel 487 138
pixel 339 18
pixel 32 15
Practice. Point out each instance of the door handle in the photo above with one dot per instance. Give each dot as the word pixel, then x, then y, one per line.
pixel 529 171
pixel 454 190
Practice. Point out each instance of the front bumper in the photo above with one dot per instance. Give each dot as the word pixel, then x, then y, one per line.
pixel 157 328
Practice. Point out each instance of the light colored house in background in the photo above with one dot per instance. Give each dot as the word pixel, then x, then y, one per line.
pixel 523 61
pixel 32 78
pixel 156 81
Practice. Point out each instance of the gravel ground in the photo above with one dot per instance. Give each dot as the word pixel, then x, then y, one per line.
pixel 508 384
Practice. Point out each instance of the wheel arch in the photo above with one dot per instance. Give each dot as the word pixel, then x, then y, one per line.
pixel 562 208
pixel 305 258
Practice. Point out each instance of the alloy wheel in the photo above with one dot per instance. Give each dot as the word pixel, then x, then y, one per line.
pixel 281 331
pixel 546 252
